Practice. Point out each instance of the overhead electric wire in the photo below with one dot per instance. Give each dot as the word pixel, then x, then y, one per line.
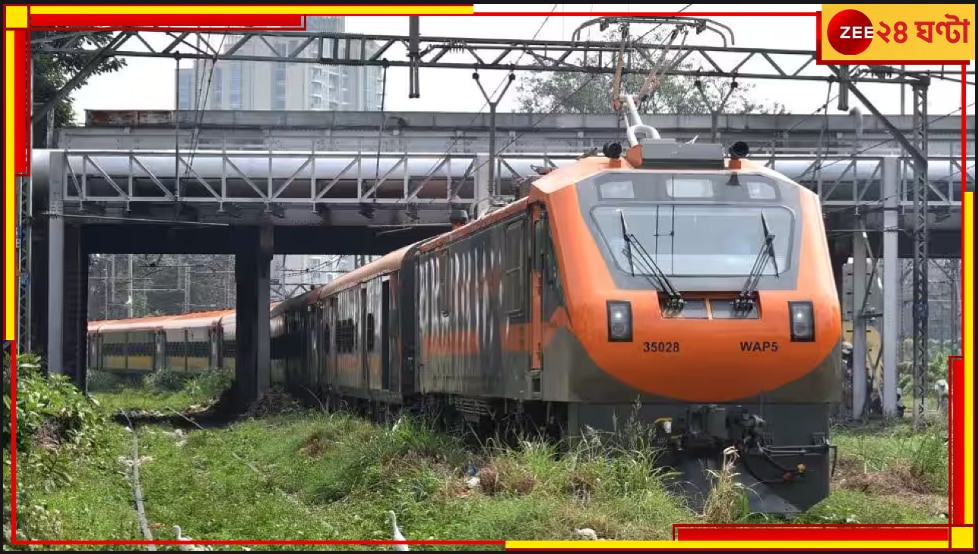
pixel 202 93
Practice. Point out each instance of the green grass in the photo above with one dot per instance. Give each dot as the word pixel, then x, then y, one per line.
pixel 887 473
pixel 317 476
pixel 158 392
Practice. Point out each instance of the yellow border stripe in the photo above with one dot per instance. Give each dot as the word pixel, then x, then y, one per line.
pixel 963 537
pixel 237 10
pixel 15 17
pixel 715 545
pixel 10 192
pixel 967 427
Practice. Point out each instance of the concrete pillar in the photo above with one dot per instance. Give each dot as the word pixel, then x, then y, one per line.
pixel 54 357
pixel 252 270
pixel 266 250
pixel 859 276
pixel 75 304
pixel 891 283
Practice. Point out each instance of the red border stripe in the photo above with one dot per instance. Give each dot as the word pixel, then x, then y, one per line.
pixel 188 21
pixel 812 533
pixel 955 438
pixel 22 95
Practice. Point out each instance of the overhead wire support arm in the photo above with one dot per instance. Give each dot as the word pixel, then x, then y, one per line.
pixel 493 104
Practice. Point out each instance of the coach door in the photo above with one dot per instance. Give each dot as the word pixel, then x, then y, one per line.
pixel 332 370
pixel 159 349
pixel 363 342
pixel 385 335
pixel 322 344
pixel 212 338
pixel 312 330
pixel 540 259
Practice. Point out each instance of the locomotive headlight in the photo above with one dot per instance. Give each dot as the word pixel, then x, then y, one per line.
pixel 619 321
pixel 802 321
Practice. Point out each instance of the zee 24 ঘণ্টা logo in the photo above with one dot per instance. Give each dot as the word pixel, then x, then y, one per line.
pixel 850 32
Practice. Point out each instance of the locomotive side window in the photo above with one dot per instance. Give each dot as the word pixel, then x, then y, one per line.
pixel 513 282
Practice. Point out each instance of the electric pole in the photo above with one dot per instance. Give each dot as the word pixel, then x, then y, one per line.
pixel 186 288
pixel 131 301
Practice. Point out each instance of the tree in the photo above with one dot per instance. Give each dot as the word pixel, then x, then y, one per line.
pixel 53 71
pixel 584 93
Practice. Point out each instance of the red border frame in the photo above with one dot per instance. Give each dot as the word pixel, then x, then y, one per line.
pixel 684 532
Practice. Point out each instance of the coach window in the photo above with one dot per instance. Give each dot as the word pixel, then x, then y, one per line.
pixel 326 338
pixel 370 332
pixel 341 336
pixel 513 284
pixel 354 334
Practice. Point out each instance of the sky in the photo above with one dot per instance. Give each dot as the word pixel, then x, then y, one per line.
pixel 148 84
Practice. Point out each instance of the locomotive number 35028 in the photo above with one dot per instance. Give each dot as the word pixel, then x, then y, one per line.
pixel 667 347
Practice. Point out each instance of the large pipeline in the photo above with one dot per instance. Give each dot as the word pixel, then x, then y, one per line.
pixel 366 167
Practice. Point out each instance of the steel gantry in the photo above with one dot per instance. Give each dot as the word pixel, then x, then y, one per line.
pixel 593 57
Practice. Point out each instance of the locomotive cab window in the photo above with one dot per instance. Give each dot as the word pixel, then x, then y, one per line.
pixel 676 187
pixel 689 187
pixel 698 240
pixel 513 283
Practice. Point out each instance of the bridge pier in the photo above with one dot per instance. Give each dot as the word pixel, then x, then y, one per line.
pixel 67 302
pixel 252 272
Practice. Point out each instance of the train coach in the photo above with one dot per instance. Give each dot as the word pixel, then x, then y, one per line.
pixel 692 284
pixel 184 344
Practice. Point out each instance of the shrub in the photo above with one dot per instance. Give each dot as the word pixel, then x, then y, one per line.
pixel 56 422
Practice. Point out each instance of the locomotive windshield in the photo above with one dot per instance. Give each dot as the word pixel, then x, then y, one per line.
pixel 697 239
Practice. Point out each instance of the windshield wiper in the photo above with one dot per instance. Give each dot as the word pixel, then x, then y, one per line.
pixel 748 295
pixel 651 270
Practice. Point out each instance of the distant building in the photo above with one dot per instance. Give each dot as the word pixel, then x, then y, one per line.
pixel 246 85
